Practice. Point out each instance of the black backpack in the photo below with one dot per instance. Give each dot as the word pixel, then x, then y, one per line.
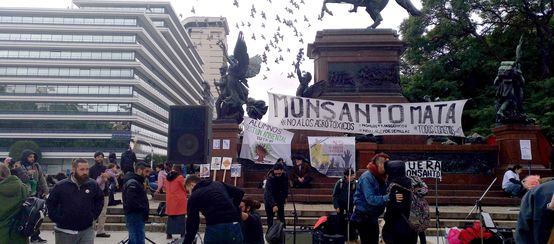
pixel 30 216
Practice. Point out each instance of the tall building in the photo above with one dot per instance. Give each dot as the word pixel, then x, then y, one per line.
pixel 94 78
pixel 205 33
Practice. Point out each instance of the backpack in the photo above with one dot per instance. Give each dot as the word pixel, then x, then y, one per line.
pixel 30 216
pixel 419 219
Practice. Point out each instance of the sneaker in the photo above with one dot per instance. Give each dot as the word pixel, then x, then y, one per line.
pixel 38 240
pixel 103 235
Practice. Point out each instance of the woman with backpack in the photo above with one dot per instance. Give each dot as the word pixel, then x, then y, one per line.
pixel 12 195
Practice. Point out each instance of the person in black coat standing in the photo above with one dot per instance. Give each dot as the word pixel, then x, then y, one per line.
pixel 276 193
pixel 135 203
pixel 396 229
pixel 74 221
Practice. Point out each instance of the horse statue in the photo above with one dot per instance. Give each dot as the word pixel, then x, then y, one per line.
pixel 372 7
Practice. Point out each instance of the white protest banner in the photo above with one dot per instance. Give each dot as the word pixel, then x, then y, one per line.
pixel 264 144
pixel 433 118
pixel 424 169
pixel 332 155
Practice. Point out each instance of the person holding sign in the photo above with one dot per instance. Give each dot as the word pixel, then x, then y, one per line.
pixel 276 193
pixel 511 183
pixel 370 199
pixel 300 174
pixel 397 229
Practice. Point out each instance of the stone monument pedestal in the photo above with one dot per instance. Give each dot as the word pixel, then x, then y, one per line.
pixel 226 131
pixel 508 140
pixel 357 65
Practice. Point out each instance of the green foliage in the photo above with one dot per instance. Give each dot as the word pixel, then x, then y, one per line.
pixel 456 46
pixel 17 148
pixel 158 159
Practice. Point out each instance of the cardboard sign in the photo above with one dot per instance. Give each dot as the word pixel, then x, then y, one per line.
pixel 226 163
pixel 525 148
pixel 216 163
pixel 204 170
pixel 236 170
pixel 424 169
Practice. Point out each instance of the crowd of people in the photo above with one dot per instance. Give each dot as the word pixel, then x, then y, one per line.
pixel 77 204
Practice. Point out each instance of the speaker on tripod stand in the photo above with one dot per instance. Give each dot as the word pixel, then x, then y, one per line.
pixel 189 135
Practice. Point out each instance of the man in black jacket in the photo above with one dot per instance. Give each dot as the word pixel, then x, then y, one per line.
pixel 74 221
pixel 128 161
pixel 276 193
pixel 135 202
pixel 219 203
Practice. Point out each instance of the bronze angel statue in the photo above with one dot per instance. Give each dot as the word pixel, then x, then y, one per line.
pixel 372 7
pixel 233 86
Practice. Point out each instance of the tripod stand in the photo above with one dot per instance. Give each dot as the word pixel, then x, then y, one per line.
pixel 127 240
pixel 480 209
pixel 295 216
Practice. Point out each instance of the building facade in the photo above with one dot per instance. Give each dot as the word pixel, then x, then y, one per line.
pixel 94 78
pixel 205 33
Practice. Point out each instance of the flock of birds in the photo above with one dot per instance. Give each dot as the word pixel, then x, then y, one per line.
pixel 278 30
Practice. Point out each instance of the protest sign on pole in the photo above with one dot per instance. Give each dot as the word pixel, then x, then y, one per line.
pixel 204 170
pixel 225 165
pixel 215 165
pixel 236 171
pixel 424 169
pixel 264 144
pixel 431 118
pixel 332 155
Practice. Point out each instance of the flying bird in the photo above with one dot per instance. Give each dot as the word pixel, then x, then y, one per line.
pixel 253 10
pixel 263 25
pixel 267 69
pixel 236 3
pixel 264 78
pixel 263 15
pixel 253 36
pixel 192 10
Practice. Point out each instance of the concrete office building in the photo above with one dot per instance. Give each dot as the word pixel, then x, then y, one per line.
pixel 94 78
pixel 205 32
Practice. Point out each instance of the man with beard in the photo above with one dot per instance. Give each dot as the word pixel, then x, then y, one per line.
pixel 74 221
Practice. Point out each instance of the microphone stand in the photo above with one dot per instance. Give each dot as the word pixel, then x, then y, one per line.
pixel 295 216
pixel 480 209
pixel 437 213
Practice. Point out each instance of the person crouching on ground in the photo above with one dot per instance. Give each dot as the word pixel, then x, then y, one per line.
pixel 74 222
pixel 343 202
pixel 396 229
pixel 251 222
pixel 511 183
pixel 12 195
pixel 219 203
pixel 370 199
pixel 276 193
pixel 135 202
pixel 176 202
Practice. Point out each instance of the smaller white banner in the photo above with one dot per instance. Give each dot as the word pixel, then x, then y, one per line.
pixel 525 148
pixel 264 144
pixel 424 168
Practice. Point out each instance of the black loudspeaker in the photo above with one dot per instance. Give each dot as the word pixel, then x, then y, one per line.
pixel 189 134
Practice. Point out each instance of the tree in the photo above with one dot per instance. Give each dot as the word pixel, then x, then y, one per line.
pixel 17 148
pixel 456 46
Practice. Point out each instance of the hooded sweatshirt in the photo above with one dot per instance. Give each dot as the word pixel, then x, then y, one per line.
pixel 38 175
pixel 176 195
pixel 12 194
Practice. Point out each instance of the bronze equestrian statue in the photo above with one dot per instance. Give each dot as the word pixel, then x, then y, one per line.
pixel 372 7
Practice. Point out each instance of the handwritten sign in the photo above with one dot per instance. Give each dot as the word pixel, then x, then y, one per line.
pixel 424 169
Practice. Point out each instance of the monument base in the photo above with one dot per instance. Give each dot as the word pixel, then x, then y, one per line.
pixel 228 134
pixel 508 139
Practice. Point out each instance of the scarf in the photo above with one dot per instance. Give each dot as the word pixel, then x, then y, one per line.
pixel 375 172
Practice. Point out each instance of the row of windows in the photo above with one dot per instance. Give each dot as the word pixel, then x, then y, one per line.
pixel 148 133
pixel 67 38
pixel 65 89
pixel 122 108
pixel 64 72
pixel 57 125
pixel 159 23
pixel 122 9
pixel 67 20
pixel 61 143
pixel 83 55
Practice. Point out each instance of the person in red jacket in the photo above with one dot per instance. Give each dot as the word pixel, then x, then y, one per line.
pixel 176 202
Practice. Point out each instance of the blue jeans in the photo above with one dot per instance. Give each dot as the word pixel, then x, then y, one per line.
pixel 228 233
pixel 135 226
pixel 513 189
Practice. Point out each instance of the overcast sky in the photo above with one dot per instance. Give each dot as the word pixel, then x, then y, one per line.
pixel 277 80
